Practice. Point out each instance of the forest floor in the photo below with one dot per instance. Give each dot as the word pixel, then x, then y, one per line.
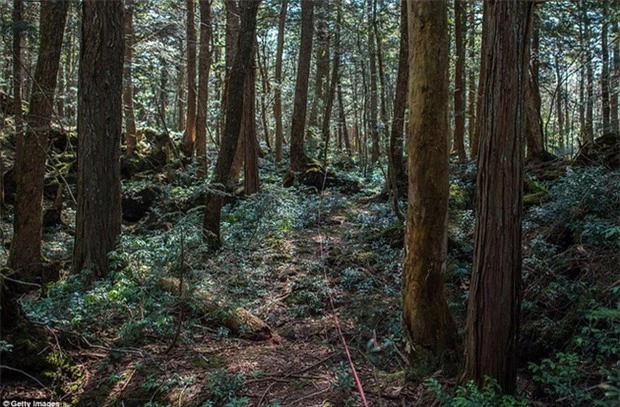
pixel 321 269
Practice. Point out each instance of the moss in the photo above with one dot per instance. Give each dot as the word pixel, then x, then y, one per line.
pixel 536 198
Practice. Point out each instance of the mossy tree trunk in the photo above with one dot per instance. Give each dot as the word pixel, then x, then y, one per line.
pixel 100 119
pixel 130 117
pixel 31 151
pixel 396 168
pixel 495 291
pixel 429 328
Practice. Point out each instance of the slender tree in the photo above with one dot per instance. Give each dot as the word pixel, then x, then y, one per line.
pixel 232 129
pixel 615 80
pixel 130 117
pixel 277 94
pixel 189 137
pixel 429 328
pixel 329 105
pixel 605 102
pixel 31 151
pixel 204 65
pixel 297 149
pixel 251 181
pixel 459 78
pixel 100 118
pixel 494 297
pixel 373 129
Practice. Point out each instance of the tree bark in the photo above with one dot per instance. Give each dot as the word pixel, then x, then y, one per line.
pixel 130 118
pixel 342 120
pixel 230 139
pixel 277 94
pixel 429 328
pixel 459 79
pixel 615 81
pixel 189 137
pixel 484 55
pixel 333 84
pixel 606 112
pixel 100 118
pixel 204 66
pixel 321 85
pixel 251 181
pixel 495 290
pixel 400 103
pixel 31 151
pixel 297 149
pixel 471 79
pixel 375 150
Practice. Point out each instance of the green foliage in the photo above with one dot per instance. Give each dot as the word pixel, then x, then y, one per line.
pixel 223 385
pixel 469 395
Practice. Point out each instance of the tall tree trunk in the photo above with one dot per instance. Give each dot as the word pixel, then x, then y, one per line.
pixel 342 120
pixel 204 66
pixel 400 103
pixel 230 139
pixel 606 114
pixel 189 137
pixel 262 61
pixel 589 132
pixel 100 119
pixel 559 99
pixel 298 125
pixel 230 39
pixel 471 78
pixel 163 94
pixel 321 86
pixel 181 91
pixel 429 328
pixel 372 107
pixel 130 118
pixel 333 84
pixel 31 151
pixel 459 79
pixel 251 181
pixel 495 290
pixel 484 56
pixel 615 81
pixel 277 94
pixel 383 110
pixel 534 134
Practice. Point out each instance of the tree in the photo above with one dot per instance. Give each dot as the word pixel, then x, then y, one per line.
pixel 100 117
pixel 429 328
pixel 251 179
pixel 396 162
pixel 130 118
pixel 277 94
pixel 606 111
pixel 204 65
pixel 31 148
pixel 375 150
pixel 331 95
pixel 232 129
pixel 297 150
pixel 459 79
pixel 494 297
pixel 189 137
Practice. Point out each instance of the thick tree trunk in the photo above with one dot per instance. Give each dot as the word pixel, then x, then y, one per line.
pixel 429 328
pixel 230 139
pixel 297 149
pixel 204 66
pixel 534 131
pixel 495 291
pixel 230 46
pixel 459 79
pixel 100 118
pixel 277 94
pixel 31 151
pixel 189 137
pixel 130 118
pixel 400 103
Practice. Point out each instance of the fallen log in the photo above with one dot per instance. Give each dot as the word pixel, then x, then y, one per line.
pixel 240 321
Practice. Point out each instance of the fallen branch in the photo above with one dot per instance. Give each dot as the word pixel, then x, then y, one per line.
pixel 240 321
